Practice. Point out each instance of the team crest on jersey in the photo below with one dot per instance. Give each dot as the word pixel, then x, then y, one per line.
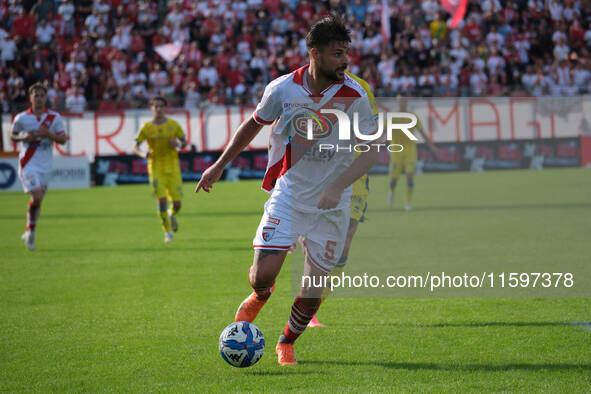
pixel 268 233
pixel 321 125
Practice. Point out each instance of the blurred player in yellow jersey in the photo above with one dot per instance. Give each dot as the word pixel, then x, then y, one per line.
pixel 407 159
pixel 164 136
pixel 358 204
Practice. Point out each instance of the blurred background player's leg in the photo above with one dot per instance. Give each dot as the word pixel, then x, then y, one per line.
pixel 410 183
pixel 174 209
pixel 410 164
pixel 164 219
pixel 395 170
pixel 33 212
pixel 175 194
pixel 158 183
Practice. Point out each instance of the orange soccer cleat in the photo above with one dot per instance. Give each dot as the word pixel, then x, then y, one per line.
pixel 250 307
pixel 285 354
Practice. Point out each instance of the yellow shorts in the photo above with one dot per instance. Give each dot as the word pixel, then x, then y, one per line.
pixel 167 185
pixel 359 198
pixel 407 160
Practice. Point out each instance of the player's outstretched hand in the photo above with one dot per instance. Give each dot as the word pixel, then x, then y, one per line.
pixel 330 197
pixel 209 177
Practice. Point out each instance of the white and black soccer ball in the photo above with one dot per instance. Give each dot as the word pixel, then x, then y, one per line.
pixel 242 344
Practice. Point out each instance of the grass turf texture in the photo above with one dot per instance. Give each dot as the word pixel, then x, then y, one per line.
pixel 105 305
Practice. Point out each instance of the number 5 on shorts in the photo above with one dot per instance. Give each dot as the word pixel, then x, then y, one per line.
pixel 329 248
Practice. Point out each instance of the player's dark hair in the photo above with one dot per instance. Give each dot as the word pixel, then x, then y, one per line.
pixel 155 99
pixel 37 86
pixel 326 30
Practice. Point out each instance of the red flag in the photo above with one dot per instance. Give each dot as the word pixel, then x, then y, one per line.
pixel 456 8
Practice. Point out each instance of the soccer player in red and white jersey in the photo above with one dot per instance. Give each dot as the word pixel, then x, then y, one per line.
pixel 37 128
pixel 309 188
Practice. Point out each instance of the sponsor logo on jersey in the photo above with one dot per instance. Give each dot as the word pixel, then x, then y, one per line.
pixel 273 220
pixel 321 126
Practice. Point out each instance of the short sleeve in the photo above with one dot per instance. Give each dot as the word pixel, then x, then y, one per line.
pixel 17 126
pixel 178 133
pixel 269 108
pixel 141 137
pixel 57 127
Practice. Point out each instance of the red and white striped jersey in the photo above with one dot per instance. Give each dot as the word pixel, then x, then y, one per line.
pixel 300 169
pixel 37 153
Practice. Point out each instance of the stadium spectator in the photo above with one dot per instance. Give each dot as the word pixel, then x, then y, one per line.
pixel 208 75
pixel 158 79
pixel 4 103
pixel 75 100
pixel 66 10
pixel 9 52
pixel 192 95
pixel 561 50
pixel 23 25
pixel 44 33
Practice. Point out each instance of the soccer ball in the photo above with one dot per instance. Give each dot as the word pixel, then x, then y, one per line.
pixel 242 344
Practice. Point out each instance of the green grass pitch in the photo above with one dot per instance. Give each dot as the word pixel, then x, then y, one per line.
pixel 104 305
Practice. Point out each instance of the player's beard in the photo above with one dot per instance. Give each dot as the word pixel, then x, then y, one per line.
pixel 331 75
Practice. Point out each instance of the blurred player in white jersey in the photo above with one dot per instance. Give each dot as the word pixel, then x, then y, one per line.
pixel 310 188
pixel 37 128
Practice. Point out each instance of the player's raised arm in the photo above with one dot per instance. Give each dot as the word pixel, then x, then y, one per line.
pixel 244 135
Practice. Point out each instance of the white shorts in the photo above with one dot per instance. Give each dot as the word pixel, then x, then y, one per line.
pixel 33 178
pixel 324 233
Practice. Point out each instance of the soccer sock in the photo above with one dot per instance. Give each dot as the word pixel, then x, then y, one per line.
pixel 300 316
pixel 32 216
pixel 164 218
pixel 263 294
pixel 410 185
pixel 393 183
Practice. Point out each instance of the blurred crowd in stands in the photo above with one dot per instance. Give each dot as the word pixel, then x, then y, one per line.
pixel 101 54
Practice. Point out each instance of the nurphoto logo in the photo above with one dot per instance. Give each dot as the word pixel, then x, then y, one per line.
pixel 317 126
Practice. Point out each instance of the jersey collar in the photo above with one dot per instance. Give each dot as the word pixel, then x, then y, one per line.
pixel 30 112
